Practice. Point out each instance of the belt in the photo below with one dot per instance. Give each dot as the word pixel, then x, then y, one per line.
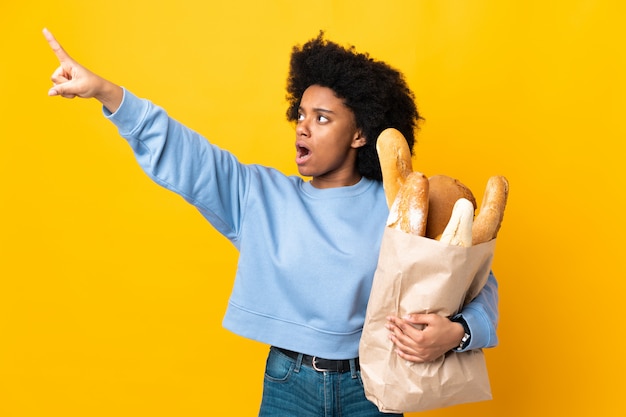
pixel 320 364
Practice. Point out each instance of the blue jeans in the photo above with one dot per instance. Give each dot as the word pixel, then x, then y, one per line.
pixel 291 389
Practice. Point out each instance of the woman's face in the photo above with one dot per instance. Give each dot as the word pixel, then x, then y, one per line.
pixel 327 139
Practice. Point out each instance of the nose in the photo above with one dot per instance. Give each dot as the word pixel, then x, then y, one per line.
pixel 302 128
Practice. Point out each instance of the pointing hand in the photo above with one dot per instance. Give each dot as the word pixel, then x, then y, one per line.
pixel 71 79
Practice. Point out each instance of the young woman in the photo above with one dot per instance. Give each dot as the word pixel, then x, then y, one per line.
pixel 307 249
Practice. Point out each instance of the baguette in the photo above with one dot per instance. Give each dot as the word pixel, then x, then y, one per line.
pixel 395 161
pixel 458 231
pixel 409 210
pixel 444 192
pixel 489 218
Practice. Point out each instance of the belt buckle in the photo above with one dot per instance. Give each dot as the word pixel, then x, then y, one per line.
pixel 313 362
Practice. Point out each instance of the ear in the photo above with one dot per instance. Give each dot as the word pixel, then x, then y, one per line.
pixel 358 140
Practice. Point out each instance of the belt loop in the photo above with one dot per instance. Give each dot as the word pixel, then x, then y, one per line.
pixel 298 363
pixel 353 370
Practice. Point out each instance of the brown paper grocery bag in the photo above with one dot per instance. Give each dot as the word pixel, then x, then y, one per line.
pixel 420 275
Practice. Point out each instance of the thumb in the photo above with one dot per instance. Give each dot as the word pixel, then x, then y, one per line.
pixel 61 90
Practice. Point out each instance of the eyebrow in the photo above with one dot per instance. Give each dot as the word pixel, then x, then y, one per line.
pixel 319 109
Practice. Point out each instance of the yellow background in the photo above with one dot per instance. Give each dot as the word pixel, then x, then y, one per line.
pixel 112 290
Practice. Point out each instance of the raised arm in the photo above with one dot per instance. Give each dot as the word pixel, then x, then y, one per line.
pixel 71 80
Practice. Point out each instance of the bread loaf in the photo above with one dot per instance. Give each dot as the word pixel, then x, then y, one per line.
pixel 409 210
pixel 424 206
pixel 458 231
pixel 489 218
pixel 444 192
pixel 395 161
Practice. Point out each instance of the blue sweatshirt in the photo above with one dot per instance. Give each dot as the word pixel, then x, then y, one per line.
pixel 307 256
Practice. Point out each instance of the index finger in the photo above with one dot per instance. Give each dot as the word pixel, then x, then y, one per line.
pixel 56 47
pixel 418 318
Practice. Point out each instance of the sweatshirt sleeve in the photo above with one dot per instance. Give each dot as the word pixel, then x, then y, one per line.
pixel 481 316
pixel 182 161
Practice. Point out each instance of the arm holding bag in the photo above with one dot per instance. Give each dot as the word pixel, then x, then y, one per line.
pixel 421 275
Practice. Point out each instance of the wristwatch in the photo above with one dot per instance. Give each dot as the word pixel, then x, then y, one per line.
pixel 466 337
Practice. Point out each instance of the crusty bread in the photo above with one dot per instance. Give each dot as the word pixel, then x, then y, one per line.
pixel 444 192
pixel 458 231
pixel 489 218
pixel 409 210
pixel 395 161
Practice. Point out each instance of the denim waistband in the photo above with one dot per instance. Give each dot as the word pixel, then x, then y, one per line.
pixel 321 364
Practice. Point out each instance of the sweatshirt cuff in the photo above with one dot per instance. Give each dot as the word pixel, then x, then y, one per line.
pixel 129 115
pixel 478 324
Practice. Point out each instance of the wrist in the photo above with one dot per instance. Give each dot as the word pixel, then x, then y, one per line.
pixel 464 340
pixel 110 95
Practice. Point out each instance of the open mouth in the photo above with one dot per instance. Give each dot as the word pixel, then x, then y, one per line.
pixel 302 153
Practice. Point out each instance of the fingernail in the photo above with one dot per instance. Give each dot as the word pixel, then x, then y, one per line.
pixel 52 92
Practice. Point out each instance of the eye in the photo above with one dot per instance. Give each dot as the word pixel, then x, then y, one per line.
pixel 300 117
pixel 322 119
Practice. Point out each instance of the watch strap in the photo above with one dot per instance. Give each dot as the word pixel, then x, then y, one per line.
pixel 466 336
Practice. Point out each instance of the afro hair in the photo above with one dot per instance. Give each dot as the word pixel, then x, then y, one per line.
pixel 377 94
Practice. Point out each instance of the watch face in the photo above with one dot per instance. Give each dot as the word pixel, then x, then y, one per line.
pixel 464 341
